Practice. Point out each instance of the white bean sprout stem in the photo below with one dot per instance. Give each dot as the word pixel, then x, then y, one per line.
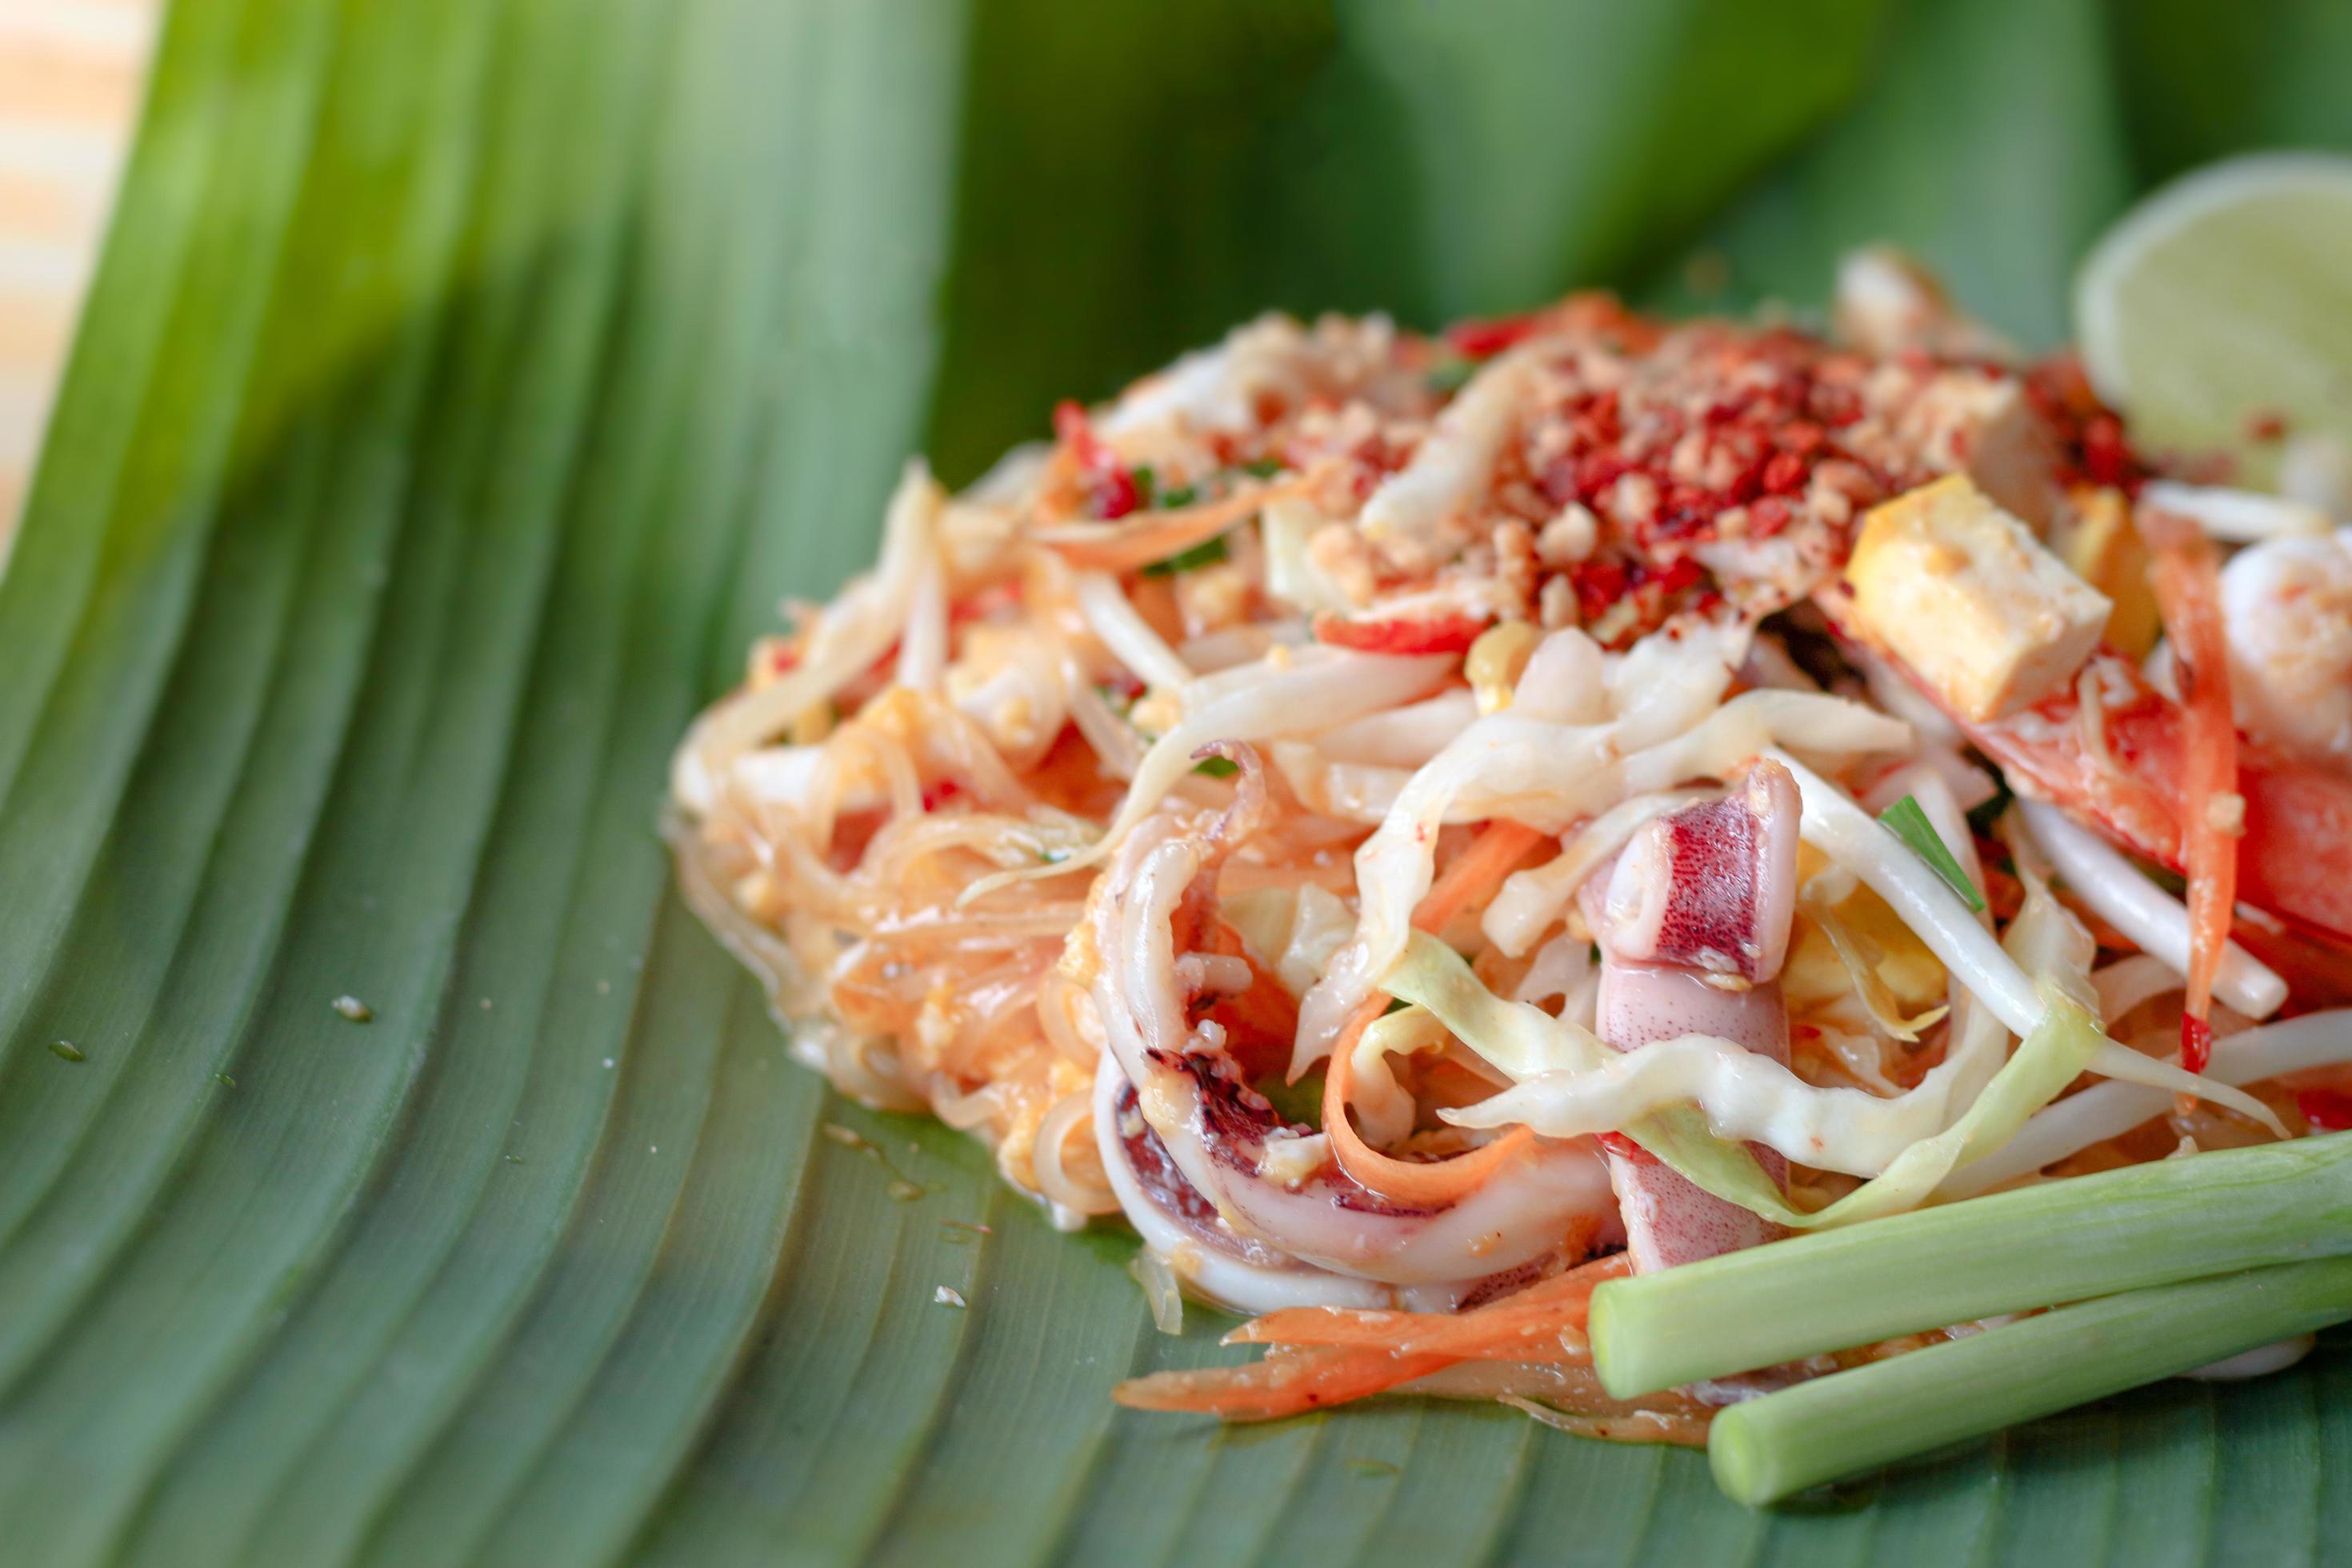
pixel 2124 897
pixel 1127 635
pixel 2110 1109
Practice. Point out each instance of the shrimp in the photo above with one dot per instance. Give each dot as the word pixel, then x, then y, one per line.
pixel 2287 604
pixel 2115 749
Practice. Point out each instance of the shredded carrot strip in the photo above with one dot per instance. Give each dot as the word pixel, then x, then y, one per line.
pixel 1473 875
pixel 1278 1385
pixel 1476 872
pixel 1435 1184
pixel 1330 1356
pixel 1545 1322
pixel 2187 578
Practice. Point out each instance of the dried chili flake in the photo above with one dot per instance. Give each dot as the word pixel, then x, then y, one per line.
pixel 1678 574
pixel 2106 460
pixel 1801 437
pixel 1596 473
pixel 1784 474
pixel 1111 490
pixel 1484 339
pixel 1600 582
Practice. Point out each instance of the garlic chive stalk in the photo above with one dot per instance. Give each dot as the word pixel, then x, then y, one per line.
pixel 1853 1421
pixel 2063 1241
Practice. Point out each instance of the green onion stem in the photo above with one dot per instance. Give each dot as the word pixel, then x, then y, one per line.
pixel 2061 1241
pixel 1781 1442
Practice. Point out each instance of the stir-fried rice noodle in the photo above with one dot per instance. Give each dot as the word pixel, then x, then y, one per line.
pixel 1336 664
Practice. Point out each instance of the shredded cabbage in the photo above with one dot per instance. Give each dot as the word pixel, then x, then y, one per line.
pixel 1569 1084
pixel 1525 1042
pixel 1295 933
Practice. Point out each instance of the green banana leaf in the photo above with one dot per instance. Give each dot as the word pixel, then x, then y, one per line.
pixel 464 384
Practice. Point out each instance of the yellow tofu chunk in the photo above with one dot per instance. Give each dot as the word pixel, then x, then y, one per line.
pixel 2099 543
pixel 1963 593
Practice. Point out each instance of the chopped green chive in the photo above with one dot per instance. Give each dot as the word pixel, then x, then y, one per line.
pixel 1907 822
pixel 1218 767
pixel 65 1050
pixel 1182 495
pixel 1207 552
pixel 1146 486
pixel 1261 468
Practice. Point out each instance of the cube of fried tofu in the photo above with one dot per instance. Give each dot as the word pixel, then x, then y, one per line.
pixel 2098 541
pixel 1981 424
pixel 1963 593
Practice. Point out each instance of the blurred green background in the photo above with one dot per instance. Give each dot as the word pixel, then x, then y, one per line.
pixel 464 383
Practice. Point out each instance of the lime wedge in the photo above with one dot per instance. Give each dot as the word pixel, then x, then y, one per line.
pixel 2223 300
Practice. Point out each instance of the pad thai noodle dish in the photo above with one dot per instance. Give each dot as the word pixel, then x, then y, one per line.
pixel 1716 883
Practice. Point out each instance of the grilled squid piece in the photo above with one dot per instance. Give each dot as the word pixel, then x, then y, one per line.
pixel 1238 1272
pixel 1273 1194
pixel 1693 925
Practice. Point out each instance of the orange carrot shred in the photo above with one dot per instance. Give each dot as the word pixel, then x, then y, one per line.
pixel 1474 874
pixel 1278 1385
pixel 1544 1322
pixel 1434 1184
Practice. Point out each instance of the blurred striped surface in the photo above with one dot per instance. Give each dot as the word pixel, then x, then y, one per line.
pixel 69 78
